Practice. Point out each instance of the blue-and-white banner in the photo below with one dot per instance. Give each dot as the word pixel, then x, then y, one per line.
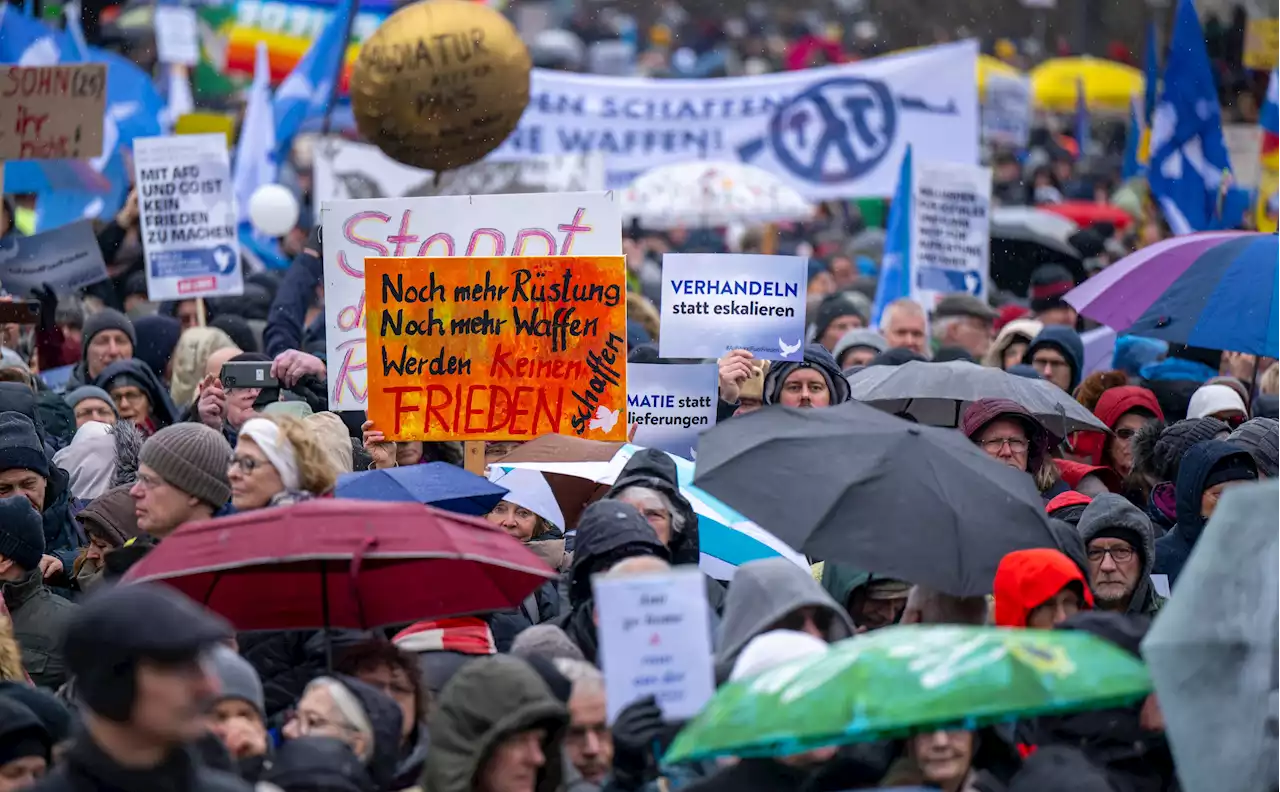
pixel 1006 110
pixel 832 132
pixel 668 406
pixel 713 303
pixel 950 230
pixel 187 207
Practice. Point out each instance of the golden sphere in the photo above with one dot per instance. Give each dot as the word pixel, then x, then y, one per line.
pixel 440 84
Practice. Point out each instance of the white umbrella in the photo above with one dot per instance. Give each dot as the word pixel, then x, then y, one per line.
pixel 706 194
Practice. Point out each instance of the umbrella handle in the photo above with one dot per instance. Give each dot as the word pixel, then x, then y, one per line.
pixel 356 560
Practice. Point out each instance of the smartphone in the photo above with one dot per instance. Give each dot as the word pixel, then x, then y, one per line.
pixel 248 374
pixel 23 312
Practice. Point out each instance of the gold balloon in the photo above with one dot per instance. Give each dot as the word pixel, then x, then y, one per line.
pixel 440 84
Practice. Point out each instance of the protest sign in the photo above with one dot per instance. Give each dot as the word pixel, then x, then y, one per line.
pixel 950 230
pixel 52 112
pixel 712 303
pixel 497 348
pixel 670 405
pixel 177 35
pixel 188 217
pixel 830 132
pixel 1262 43
pixel 1006 110
pixel 346 169
pixel 655 640
pixel 1244 152
pixel 564 224
pixel 66 258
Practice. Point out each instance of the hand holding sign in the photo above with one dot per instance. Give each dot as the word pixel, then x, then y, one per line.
pixel 735 368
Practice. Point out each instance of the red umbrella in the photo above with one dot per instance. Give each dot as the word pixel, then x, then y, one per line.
pixel 343 563
pixel 1086 213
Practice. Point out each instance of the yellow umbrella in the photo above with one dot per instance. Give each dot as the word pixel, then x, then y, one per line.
pixel 989 65
pixel 986 65
pixel 1107 85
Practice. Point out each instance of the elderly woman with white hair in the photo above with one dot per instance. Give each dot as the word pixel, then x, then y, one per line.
pixel 358 714
pixel 529 512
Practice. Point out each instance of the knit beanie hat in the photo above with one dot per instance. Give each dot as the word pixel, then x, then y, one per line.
pixel 834 306
pixel 191 457
pixel 1261 438
pixel 89 392
pixel 1233 467
pixel 20 446
pixel 1177 438
pixel 106 319
pixel 21 532
pixel 237 679
pixel 1049 282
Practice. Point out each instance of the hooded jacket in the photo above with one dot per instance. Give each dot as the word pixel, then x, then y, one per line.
pixel 40 622
pixel 317 763
pixel 89 460
pixel 385 719
pixel 1067 342
pixel 162 410
pixel 1017 330
pixel 1112 406
pixel 1173 549
pixel 1114 512
pixel 816 357
pixel 489 699
pixel 608 532
pixel 1026 579
pixel 656 470
pixel 763 592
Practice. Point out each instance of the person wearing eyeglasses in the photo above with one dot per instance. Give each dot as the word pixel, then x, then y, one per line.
pixel 1008 433
pixel 1058 354
pixel 138 394
pixel 1120 545
pixel 182 477
pixel 1218 401
pixel 277 461
pixel 358 714
pixel 1125 410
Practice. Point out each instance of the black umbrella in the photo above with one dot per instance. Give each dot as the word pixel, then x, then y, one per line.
pixel 851 483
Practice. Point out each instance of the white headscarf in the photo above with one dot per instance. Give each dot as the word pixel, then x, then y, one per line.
pixel 276 448
pixel 528 489
pixel 89 460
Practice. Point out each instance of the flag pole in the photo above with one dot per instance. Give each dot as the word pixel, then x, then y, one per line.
pixel 342 65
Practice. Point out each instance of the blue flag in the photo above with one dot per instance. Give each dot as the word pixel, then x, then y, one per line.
pixel 1082 119
pixel 1132 143
pixel 895 267
pixel 1189 172
pixel 305 93
pixel 1152 75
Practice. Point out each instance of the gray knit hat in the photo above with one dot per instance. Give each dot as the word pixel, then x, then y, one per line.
pixel 89 392
pixel 106 319
pixel 193 458
pixel 1177 438
pixel 1261 438
pixel 545 640
pixel 237 679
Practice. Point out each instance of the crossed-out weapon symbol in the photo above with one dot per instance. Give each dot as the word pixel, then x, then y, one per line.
pixel 837 130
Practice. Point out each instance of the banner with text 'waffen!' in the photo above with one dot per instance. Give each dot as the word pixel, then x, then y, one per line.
pixel 497 348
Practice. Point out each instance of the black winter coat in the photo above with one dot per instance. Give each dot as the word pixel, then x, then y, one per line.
pixel 86 768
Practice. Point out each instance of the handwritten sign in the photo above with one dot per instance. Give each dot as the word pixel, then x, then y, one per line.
pixel 670 405
pixel 655 640
pixel 712 303
pixel 67 258
pixel 561 224
pixel 497 348
pixel 52 112
pixel 187 210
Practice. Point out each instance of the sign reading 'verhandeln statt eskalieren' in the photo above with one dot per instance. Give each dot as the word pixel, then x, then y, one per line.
pixel 187 211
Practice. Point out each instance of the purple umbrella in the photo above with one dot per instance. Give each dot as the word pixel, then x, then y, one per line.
pixel 1217 290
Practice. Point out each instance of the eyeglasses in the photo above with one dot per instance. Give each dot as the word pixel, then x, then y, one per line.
pixel 1017 445
pixel 94 412
pixel 310 722
pixel 1121 555
pixel 130 395
pixel 150 482
pixel 247 464
pixel 1126 433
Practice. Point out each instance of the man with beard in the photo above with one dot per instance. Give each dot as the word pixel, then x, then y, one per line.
pixel 1120 544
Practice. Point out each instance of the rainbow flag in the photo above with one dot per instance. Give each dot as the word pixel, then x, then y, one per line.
pixel 1269 181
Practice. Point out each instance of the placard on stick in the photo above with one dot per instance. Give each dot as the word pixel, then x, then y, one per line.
pixel 52 112
pixel 481 348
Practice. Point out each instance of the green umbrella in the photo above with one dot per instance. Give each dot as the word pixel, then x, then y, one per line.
pixel 905 679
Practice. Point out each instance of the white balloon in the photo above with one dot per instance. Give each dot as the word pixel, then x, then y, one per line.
pixel 273 210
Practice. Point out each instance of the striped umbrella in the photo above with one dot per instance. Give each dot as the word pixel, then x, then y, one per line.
pixel 1217 290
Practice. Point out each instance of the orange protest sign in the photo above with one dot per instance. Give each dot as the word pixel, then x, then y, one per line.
pixel 474 348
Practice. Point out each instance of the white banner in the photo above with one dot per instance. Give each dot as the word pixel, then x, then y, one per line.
pixel 669 405
pixel 345 169
pixel 833 132
pixel 188 217
pixel 950 230
pixel 1006 110
pixel 580 224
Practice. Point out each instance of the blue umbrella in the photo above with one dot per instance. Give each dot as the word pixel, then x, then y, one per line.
pixel 436 484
